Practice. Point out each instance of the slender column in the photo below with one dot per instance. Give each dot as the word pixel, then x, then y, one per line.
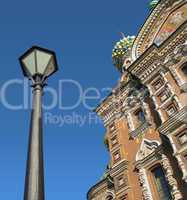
pixel 157 107
pixel 147 112
pixel 182 167
pixel 34 181
pixel 178 157
pixel 171 180
pixel 145 185
pixel 130 121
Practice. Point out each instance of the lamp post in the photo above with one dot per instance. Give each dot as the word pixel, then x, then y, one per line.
pixel 37 64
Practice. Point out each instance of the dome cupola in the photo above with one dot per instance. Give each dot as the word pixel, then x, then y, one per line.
pixel 122 52
pixel 153 3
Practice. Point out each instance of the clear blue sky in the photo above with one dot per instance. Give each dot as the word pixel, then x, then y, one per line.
pixel 82 33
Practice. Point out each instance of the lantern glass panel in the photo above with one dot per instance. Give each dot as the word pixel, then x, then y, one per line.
pixel 50 68
pixel 43 60
pixel 29 64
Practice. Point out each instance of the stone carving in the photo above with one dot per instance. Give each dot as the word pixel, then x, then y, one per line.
pixel 147 147
pixel 171 180
pixel 130 121
pixel 146 191
pixel 147 112
pixel 182 166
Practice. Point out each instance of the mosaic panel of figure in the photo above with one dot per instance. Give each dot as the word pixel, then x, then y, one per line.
pixel 174 20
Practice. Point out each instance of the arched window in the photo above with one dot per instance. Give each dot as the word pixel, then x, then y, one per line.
pixel 184 68
pixel 161 184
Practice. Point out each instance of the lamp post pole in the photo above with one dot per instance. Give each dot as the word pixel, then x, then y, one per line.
pixel 37 64
pixel 34 181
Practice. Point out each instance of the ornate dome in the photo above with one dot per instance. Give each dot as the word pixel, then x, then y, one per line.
pixel 121 51
pixel 153 3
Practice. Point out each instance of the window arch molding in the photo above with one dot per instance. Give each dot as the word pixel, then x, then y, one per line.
pixel 110 195
pixel 183 68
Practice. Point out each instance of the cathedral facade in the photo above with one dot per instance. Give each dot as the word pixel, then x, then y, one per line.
pixel 145 115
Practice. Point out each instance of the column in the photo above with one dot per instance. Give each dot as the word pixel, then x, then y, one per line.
pixel 146 191
pixel 171 180
pixel 130 120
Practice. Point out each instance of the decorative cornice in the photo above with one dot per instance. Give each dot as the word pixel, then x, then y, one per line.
pixel 153 58
pixel 96 188
pixel 119 168
pixel 104 184
pixel 110 108
pixel 145 29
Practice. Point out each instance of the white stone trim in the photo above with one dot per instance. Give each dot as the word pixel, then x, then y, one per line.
pixel 146 191
pixel 143 151
pixel 171 180
pixel 178 157
pixel 130 121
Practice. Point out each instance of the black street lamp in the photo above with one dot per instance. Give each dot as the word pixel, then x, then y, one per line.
pixel 37 64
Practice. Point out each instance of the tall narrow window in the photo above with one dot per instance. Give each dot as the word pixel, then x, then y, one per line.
pixel 140 116
pixel 161 184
